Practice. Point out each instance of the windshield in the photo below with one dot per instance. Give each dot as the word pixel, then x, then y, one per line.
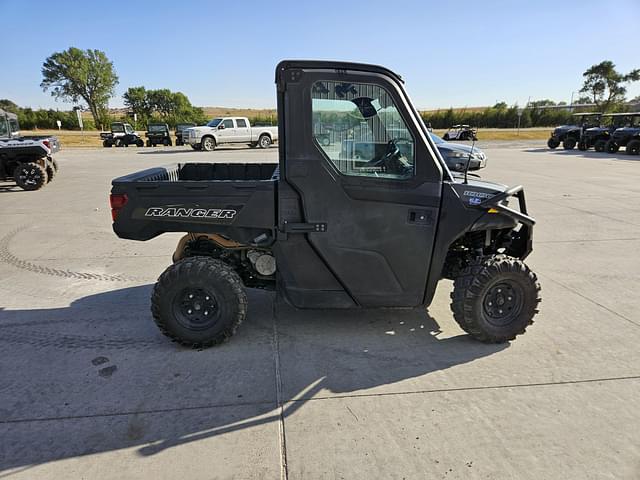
pixel 214 123
pixel 4 127
pixel 587 120
pixel 157 128
pixel 436 139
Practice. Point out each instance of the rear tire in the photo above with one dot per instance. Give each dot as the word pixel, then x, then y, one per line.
pixel 196 147
pixel 611 147
pixel 553 143
pixel 106 144
pixel 582 146
pixel 633 147
pixel 199 302
pixel 599 146
pixel 569 143
pixel 149 143
pixel 264 141
pixel 495 298
pixel 445 136
pixel 30 176
pixel 165 142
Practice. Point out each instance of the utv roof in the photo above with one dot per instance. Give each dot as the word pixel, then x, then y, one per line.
pixel 333 65
pixel 8 114
pixel 460 126
pixel 586 114
pixel 622 114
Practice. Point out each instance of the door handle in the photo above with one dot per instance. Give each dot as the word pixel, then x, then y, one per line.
pixel 420 217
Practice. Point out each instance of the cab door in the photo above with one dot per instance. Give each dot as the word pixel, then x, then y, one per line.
pixel 373 194
pixel 226 131
pixel 243 133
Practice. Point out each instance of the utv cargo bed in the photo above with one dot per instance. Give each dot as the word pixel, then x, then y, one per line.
pixel 196 197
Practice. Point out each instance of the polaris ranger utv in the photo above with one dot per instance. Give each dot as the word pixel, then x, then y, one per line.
pixel 326 228
pixel 180 128
pixel 121 135
pixel 158 134
pixel 27 160
pixel 628 135
pixel 598 136
pixel 569 135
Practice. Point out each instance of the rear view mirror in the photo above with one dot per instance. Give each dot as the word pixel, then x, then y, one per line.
pixel 368 107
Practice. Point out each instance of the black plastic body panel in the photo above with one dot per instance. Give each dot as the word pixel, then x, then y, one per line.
pixel 237 200
pixel 373 246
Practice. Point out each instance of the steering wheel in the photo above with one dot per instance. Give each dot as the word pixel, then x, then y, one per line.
pixel 392 151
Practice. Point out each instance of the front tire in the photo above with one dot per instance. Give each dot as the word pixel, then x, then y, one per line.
pixel 569 143
pixel 553 143
pixel 633 147
pixel 264 141
pixel 30 176
pixel 599 146
pixel 208 144
pixel 199 302
pixel 495 298
pixel 611 147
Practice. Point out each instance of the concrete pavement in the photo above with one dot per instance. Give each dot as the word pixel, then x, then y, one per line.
pixel 90 389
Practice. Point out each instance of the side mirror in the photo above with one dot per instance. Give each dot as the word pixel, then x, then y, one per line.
pixel 368 107
pixel 221 127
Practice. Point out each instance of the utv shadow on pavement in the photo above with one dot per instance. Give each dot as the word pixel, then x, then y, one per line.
pixel 97 376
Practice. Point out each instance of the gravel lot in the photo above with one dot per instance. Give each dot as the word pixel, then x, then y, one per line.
pixel 90 389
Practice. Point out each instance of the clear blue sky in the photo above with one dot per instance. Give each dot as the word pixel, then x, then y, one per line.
pixel 223 53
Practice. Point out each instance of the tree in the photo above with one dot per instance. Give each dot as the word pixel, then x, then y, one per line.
pixel 605 85
pixel 8 105
pixel 136 99
pixel 541 103
pixel 76 74
pixel 170 107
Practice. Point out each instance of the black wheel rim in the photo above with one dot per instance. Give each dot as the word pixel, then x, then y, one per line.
pixel 195 308
pixel 30 176
pixel 503 303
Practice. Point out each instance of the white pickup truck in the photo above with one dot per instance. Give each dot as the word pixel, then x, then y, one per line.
pixel 229 130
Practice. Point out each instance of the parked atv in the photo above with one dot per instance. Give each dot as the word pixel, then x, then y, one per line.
pixel 328 228
pixel 158 134
pixel 626 136
pixel 569 135
pixel 121 135
pixel 180 128
pixel 461 132
pixel 27 160
pixel 597 137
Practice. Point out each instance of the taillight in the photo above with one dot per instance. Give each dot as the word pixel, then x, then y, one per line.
pixel 117 202
pixel 46 143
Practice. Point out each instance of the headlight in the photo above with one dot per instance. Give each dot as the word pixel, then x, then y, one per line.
pixel 454 154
